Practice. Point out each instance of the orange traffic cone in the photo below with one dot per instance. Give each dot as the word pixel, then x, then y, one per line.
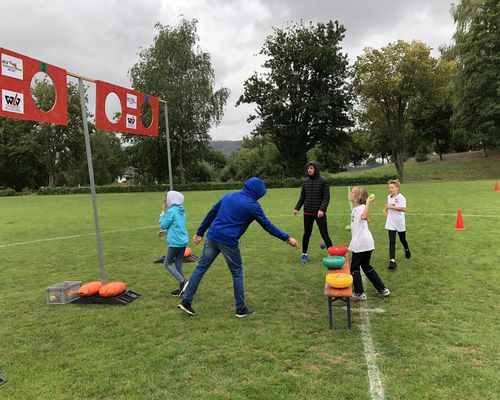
pixel 459 226
pixel 496 187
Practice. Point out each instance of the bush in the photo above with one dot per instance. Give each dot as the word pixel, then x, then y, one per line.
pixel 420 157
pixel 333 180
pixel 7 192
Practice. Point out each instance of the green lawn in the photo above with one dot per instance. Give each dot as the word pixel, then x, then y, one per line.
pixel 455 167
pixel 437 337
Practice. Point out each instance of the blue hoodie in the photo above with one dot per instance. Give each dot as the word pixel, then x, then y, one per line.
pixel 230 217
pixel 174 220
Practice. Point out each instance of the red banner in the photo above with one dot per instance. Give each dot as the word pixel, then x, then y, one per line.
pixel 16 74
pixel 129 119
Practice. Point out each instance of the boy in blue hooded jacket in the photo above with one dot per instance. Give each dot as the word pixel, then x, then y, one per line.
pixel 226 222
pixel 173 221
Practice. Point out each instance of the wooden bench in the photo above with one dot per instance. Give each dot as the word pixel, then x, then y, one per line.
pixel 334 294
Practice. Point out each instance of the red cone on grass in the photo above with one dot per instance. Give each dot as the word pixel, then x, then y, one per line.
pixel 459 226
pixel 496 187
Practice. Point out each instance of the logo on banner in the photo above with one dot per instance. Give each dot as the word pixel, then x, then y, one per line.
pixel 132 101
pixel 12 101
pixel 12 66
pixel 131 121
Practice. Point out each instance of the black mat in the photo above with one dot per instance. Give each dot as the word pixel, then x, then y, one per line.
pixel 122 300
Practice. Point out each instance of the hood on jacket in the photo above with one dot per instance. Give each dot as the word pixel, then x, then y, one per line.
pixel 174 197
pixel 255 187
pixel 315 164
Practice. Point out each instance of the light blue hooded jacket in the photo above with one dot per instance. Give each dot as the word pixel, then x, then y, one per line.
pixel 174 220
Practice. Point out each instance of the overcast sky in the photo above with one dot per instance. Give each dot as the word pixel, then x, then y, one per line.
pixel 100 39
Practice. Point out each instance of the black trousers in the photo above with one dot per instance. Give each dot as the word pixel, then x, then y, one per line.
pixel 362 261
pixel 308 227
pixel 392 243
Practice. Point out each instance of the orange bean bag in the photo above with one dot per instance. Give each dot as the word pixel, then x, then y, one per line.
pixel 112 289
pixel 89 289
pixel 188 252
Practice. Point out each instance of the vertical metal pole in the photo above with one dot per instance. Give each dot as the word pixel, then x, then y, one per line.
pixel 168 150
pixel 91 178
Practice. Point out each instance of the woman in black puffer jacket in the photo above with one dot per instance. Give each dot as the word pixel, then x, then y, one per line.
pixel 314 196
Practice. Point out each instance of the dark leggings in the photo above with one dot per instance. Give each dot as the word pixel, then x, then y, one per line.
pixel 308 227
pixel 362 261
pixel 392 243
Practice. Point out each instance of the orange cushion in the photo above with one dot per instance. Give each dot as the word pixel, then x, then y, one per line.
pixel 112 289
pixel 89 289
pixel 188 252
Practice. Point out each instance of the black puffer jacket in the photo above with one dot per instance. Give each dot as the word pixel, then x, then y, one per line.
pixel 315 193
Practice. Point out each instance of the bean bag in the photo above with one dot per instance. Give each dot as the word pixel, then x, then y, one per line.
pixel 89 289
pixel 334 262
pixel 337 250
pixel 188 252
pixel 112 289
pixel 339 281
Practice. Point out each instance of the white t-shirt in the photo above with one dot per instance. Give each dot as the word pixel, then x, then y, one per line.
pixel 362 239
pixel 396 219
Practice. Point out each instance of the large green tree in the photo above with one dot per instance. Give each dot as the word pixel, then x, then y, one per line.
pixel 396 85
pixel 178 71
pixel 62 147
pixel 302 98
pixel 476 115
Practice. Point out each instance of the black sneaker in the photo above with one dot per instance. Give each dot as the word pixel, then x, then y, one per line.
pixel 392 265
pixel 244 312
pixel 182 287
pixel 186 307
pixel 176 292
pixel 407 253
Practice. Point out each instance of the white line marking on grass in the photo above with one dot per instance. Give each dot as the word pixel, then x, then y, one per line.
pixel 75 236
pixel 367 310
pixel 374 378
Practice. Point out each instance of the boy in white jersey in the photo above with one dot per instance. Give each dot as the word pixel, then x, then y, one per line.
pixel 394 211
pixel 362 245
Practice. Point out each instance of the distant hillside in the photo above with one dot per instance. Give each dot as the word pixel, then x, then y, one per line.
pixel 228 147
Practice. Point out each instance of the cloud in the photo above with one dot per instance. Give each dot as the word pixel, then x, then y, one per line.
pixel 102 39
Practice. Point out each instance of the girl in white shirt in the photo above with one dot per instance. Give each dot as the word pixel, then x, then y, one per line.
pixel 394 211
pixel 362 245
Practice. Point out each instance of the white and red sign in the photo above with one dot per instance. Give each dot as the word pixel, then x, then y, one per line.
pixel 16 74
pixel 131 102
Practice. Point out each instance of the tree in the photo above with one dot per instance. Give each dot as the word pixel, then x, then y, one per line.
pixel 476 115
pixel 62 147
pixel 396 85
pixel 302 98
pixel 175 69
pixel 20 166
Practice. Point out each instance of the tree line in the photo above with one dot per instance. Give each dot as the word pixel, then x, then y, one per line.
pixel 394 102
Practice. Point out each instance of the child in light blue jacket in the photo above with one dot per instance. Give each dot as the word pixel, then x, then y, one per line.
pixel 173 222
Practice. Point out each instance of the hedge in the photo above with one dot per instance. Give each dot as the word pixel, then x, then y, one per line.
pixel 201 186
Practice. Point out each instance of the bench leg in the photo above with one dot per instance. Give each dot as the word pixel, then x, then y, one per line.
pixel 348 302
pixel 330 319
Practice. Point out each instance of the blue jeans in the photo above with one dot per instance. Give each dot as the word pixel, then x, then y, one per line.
pixel 233 259
pixel 175 255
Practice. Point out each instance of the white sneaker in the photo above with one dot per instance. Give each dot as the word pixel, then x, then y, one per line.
pixel 384 292
pixel 360 296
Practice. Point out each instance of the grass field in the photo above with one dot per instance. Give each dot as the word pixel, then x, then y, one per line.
pixel 455 167
pixel 435 337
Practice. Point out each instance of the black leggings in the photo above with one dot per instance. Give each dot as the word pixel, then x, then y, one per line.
pixel 392 243
pixel 362 261
pixel 308 227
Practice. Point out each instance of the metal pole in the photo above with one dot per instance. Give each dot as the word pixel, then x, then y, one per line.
pixel 91 178
pixel 168 150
